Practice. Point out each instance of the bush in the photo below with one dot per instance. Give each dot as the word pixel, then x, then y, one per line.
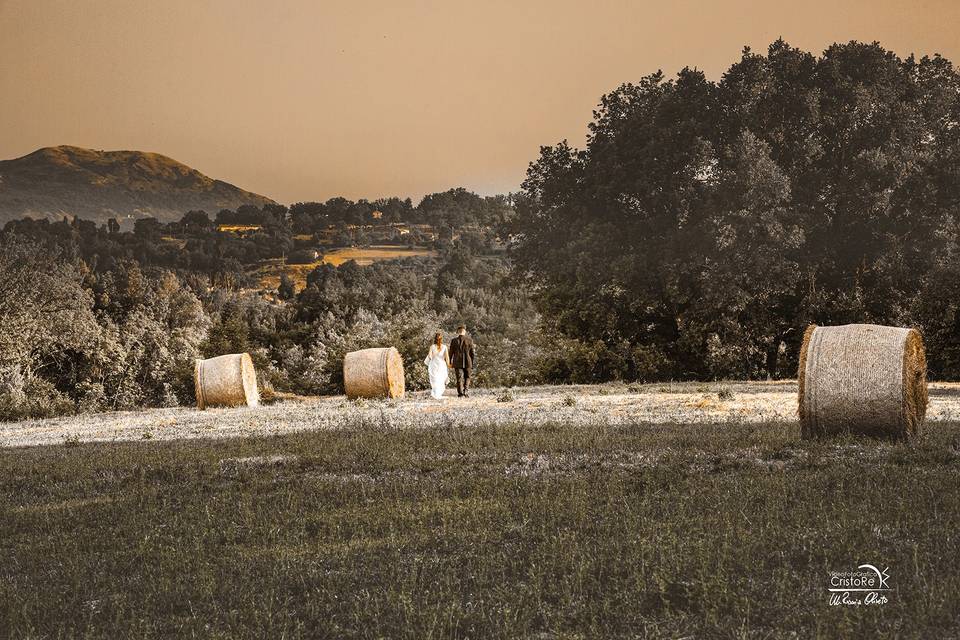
pixel 302 256
pixel 574 361
pixel 39 399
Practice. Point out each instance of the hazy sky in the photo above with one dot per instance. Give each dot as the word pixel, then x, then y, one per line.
pixel 307 99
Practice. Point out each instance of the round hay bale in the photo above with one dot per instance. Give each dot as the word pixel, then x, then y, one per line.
pixel 864 379
pixel 373 373
pixel 226 381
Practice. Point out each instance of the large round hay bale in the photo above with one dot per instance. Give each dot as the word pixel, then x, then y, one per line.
pixel 863 379
pixel 373 373
pixel 226 381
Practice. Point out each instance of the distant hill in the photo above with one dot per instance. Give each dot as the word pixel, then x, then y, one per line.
pixel 97 185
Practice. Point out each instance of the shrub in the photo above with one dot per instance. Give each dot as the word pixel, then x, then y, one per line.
pixel 38 399
pixel 302 256
pixel 569 360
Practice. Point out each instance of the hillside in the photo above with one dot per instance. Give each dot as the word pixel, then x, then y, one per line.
pixel 97 185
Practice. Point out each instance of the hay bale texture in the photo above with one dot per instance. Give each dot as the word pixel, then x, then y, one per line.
pixel 864 379
pixel 226 381
pixel 373 373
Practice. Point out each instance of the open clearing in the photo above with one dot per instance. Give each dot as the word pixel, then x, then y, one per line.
pixel 269 272
pixel 376 253
pixel 611 405
pixel 238 228
pixel 530 518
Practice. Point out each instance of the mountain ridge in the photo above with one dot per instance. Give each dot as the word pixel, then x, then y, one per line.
pixel 66 180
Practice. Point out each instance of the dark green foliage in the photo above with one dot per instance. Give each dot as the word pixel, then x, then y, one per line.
pixel 229 334
pixel 403 303
pixel 302 256
pixel 708 222
pixel 286 289
pixel 455 208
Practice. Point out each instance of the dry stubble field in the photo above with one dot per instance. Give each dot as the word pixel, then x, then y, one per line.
pixel 610 404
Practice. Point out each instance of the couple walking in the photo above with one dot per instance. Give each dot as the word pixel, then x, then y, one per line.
pixel 460 357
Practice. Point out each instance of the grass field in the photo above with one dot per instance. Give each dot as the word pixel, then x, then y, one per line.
pixel 369 255
pixel 269 272
pixel 238 228
pixel 546 529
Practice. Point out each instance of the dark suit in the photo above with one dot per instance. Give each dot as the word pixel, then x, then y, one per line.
pixel 462 358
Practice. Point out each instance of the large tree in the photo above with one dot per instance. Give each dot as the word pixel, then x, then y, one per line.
pixel 705 223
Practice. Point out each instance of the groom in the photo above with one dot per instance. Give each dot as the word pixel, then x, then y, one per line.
pixel 462 357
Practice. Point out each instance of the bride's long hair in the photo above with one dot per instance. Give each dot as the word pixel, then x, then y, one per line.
pixel 438 339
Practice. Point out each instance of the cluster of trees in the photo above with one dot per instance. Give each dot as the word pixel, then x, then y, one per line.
pixel 454 208
pixel 308 217
pixel 401 303
pixel 223 259
pixel 195 244
pixel 706 223
pixel 270 215
pixel 74 339
pixel 95 318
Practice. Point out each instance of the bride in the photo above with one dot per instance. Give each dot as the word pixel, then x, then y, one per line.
pixel 438 362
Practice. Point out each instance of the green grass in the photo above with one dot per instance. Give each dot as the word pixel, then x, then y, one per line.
pixel 547 531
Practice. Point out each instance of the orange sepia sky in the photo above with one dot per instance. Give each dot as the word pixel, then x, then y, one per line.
pixel 308 99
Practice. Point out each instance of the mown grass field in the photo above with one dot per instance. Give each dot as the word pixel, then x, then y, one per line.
pixel 369 255
pixel 269 273
pixel 547 531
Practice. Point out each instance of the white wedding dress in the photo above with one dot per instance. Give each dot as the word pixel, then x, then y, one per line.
pixel 436 362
